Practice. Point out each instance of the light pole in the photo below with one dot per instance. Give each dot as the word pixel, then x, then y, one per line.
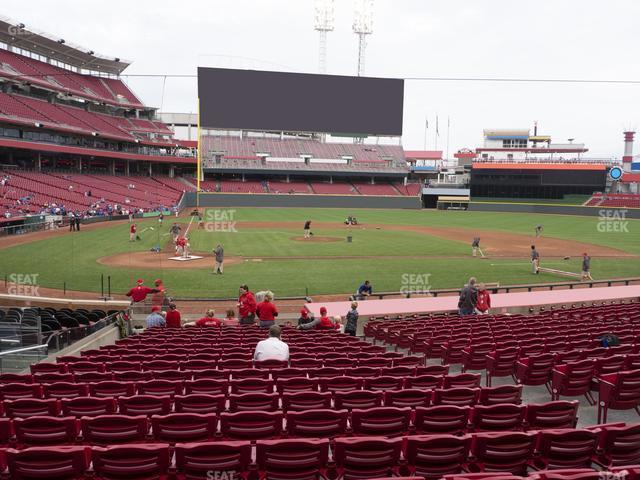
pixel 362 26
pixel 323 23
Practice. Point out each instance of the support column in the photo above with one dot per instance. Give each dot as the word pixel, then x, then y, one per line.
pixel 150 170
pixel 372 181
pixel 112 167
pixel 172 171
pixel 39 162
pixel 288 179
pixel 80 164
pixel 127 168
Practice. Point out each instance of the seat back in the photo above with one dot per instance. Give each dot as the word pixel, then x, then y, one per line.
pixel 106 430
pixel 197 460
pixel 292 459
pixel 326 423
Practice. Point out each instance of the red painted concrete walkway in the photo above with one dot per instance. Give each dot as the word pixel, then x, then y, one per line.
pixel 499 301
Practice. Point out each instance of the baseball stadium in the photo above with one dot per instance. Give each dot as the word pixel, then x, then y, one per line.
pixel 274 287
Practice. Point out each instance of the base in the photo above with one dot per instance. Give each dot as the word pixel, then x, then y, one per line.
pixel 185 259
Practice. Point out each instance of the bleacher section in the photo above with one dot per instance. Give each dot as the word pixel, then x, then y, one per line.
pixel 33 192
pixel 628 200
pixel 190 401
pixel 25 69
pixel 22 109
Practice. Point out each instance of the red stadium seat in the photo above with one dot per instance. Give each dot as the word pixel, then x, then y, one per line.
pixel 12 391
pixel 251 425
pixel 184 427
pixel 441 419
pixel 251 385
pixel 292 459
pixel 131 461
pixel 65 390
pixel 40 462
pixel 500 417
pixel 502 363
pixel 411 397
pixel 456 396
pixel 619 446
pixel 254 401
pixel 208 386
pixel 506 452
pixel 565 449
pixel 618 391
pixel 317 423
pixel 340 383
pixel 197 460
pixel 431 456
pixel 112 429
pixel 145 405
pixel 301 401
pixel 296 384
pixel 501 394
pixel 350 399
pixel 112 389
pixel 29 407
pixel 535 370
pixel 88 406
pixel 38 430
pixel 573 379
pixel 160 387
pixel 200 403
pixel 386 421
pixel 366 457
pixel 552 415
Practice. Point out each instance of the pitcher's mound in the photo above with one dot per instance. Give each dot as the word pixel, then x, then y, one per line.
pixel 318 239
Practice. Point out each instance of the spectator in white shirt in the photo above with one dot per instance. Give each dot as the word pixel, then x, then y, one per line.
pixel 272 348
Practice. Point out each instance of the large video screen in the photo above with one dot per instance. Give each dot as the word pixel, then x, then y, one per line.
pixel 260 100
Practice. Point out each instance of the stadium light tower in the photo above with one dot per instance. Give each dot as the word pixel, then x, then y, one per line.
pixel 362 26
pixel 324 22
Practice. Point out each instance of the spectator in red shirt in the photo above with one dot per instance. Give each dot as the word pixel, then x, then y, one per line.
pixel 139 292
pixel 483 304
pixel 157 300
pixel 173 317
pixel 267 311
pixel 209 320
pixel 327 323
pixel 246 306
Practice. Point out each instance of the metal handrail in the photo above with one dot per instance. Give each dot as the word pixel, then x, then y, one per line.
pixel 24 349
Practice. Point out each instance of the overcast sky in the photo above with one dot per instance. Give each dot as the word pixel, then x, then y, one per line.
pixel 585 39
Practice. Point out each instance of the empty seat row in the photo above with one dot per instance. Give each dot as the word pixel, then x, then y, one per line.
pixel 205 398
pixel 302 417
pixel 419 456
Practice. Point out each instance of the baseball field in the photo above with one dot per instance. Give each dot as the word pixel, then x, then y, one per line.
pixel 394 249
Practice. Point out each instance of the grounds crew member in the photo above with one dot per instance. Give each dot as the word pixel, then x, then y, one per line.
pixel 535 260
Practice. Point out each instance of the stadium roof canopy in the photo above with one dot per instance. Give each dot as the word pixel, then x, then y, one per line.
pixel 17 35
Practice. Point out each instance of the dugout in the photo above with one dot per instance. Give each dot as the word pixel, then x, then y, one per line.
pixel 445 198
pixel 453 203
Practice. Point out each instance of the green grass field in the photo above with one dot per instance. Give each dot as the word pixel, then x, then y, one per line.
pixel 71 259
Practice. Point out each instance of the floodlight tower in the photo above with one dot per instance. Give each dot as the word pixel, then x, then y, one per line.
pixel 324 22
pixel 362 26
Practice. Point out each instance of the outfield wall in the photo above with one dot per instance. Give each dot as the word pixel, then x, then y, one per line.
pixel 300 201
pixel 553 209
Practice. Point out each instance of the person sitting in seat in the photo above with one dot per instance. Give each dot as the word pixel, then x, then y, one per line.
pixel 155 319
pixel 272 348
pixel 209 320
